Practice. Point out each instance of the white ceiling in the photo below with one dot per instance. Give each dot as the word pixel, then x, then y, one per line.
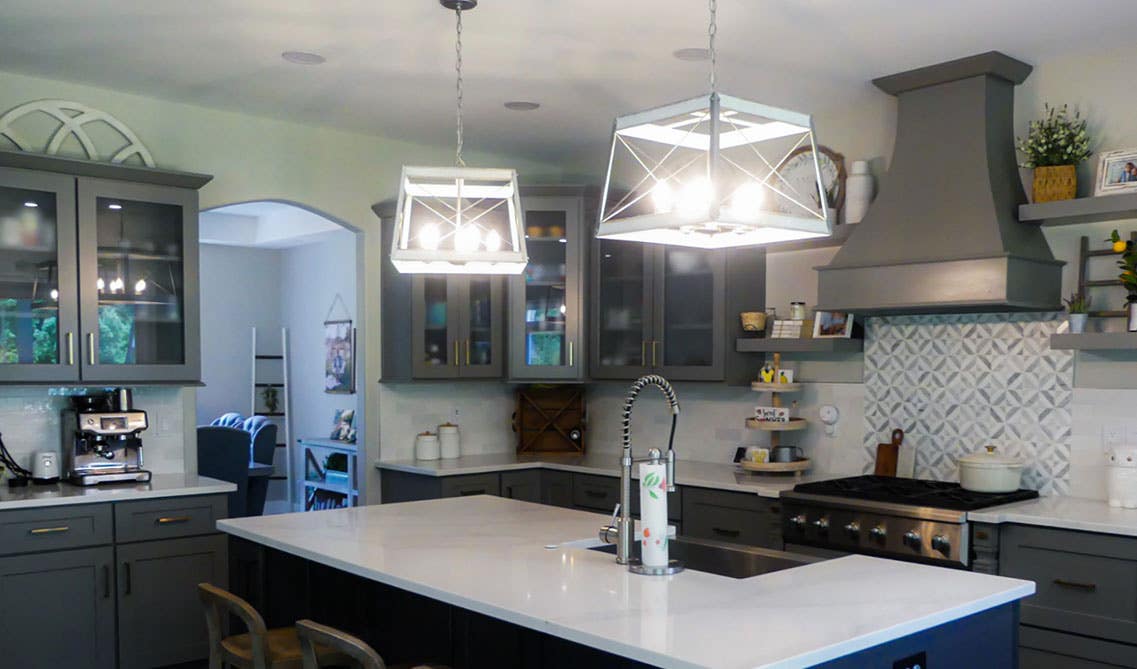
pixel 390 63
pixel 266 225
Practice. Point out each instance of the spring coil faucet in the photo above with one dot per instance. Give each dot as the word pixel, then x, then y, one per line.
pixel 620 529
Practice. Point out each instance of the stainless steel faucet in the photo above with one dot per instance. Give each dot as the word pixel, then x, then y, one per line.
pixel 621 530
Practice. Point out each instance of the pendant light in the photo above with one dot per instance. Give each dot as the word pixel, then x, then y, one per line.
pixel 704 173
pixel 459 220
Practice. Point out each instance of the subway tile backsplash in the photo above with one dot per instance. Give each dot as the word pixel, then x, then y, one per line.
pixel 30 422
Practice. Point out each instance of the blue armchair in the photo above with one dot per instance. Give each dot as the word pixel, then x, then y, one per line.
pixel 262 433
pixel 231 419
pixel 223 453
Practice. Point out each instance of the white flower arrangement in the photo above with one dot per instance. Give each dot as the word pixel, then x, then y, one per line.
pixel 1057 139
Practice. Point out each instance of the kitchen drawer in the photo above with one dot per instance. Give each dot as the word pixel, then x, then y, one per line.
pixel 741 518
pixel 471 484
pixel 1086 583
pixel 596 493
pixel 55 528
pixel 556 488
pixel 1046 649
pixel 524 485
pixel 169 518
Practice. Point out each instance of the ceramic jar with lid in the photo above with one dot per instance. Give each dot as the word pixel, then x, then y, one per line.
pixel 450 441
pixel 1121 480
pixel 987 470
pixel 426 446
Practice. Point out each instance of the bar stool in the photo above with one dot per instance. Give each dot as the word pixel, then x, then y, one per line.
pixel 259 648
pixel 314 636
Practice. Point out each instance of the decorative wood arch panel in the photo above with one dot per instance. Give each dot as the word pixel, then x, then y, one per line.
pixel 72 119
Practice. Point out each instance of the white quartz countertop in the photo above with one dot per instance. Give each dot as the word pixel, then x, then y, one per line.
pixel 1071 513
pixel 493 556
pixel 160 485
pixel 715 475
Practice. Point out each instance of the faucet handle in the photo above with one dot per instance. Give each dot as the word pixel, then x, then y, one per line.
pixel 610 533
pixel 615 515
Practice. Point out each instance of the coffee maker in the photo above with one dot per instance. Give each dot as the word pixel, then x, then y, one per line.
pixel 101 442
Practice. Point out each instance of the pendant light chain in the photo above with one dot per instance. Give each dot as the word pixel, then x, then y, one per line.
pixel 458 68
pixel 711 31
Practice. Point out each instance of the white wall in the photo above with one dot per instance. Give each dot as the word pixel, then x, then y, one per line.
pixel 240 290
pixel 311 276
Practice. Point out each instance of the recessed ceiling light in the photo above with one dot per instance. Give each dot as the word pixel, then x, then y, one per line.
pixel 303 58
pixel 522 105
pixel 115 207
pixel 693 54
pixel 30 204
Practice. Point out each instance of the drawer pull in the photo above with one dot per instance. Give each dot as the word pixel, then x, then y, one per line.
pixel 173 520
pixel 725 533
pixel 596 494
pixel 1085 587
pixel 50 530
pixel 467 493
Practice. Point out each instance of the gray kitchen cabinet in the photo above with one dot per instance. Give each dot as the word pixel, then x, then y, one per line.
pixel 524 484
pixel 601 493
pixel 546 301
pixel 57 609
pixel 741 518
pixel 103 281
pixel 456 327
pixel 406 487
pixel 1047 649
pixel 159 615
pixel 470 484
pixel 556 488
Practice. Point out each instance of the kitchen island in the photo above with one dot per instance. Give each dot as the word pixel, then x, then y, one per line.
pixel 526 566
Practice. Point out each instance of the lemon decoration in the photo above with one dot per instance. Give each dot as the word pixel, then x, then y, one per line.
pixel 1119 247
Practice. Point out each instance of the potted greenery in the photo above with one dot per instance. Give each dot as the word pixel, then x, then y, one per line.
pixel 271 399
pixel 1077 310
pixel 1128 265
pixel 1053 147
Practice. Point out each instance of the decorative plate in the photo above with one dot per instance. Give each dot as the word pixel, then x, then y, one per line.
pixel 797 170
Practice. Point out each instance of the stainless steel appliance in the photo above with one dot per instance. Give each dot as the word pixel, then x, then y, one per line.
pixel 101 440
pixel 904 519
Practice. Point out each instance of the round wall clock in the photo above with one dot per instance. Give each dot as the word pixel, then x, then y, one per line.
pixel 797 171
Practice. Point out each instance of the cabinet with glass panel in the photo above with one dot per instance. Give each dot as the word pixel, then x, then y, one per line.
pixel 98 276
pixel 456 326
pixel 546 302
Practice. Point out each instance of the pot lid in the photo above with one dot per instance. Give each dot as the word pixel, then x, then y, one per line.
pixel 990 459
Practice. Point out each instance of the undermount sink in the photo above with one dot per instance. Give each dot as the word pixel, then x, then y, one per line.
pixel 723 559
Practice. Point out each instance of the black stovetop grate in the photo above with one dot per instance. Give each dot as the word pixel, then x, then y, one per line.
pixel 914 492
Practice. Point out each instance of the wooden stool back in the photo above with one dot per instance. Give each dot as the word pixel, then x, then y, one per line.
pixel 215 600
pixel 312 633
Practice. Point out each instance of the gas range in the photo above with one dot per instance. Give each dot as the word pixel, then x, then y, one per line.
pixel 905 519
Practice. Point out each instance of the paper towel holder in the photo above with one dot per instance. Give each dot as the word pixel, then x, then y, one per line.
pixel 655 457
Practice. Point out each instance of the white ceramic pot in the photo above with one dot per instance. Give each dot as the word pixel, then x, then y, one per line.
pixel 450 441
pixel 988 471
pixel 426 447
pixel 1077 322
pixel 858 191
pixel 1121 478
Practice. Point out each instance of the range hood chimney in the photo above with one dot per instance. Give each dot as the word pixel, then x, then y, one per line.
pixel 943 235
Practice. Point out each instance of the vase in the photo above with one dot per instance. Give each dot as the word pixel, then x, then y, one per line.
pixel 1077 322
pixel 1131 312
pixel 858 191
pixel 1058 182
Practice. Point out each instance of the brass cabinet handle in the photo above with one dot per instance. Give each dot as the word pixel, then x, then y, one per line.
pixel 654 363
pixel 643 353
pixel 50 530
pixel 91 347
pixel 726 532
pixel 467 352
pixel 171 520
pixel 1088 587
pixel 570 355
pixel 70 348
pixel 456 360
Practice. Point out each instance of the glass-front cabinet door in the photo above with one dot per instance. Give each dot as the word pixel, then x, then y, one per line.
pixel 435 327
pixel 481 346
pixel 689 316
pixel 545 302
pixel 622 313
pixel 138 264
pixel 39 305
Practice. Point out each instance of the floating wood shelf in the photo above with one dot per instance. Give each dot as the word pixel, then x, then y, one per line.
pixel 772 345
pixel 791 425
pixel 759 387
pixel 1095 341
pixel 1080 210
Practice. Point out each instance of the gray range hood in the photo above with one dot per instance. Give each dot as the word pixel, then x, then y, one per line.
pixel 943 235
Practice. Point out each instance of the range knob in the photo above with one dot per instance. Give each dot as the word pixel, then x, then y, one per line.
pixel 798 522
pixel 853 529
pixel 878 533
pixel 822 525
pixel 912 539
pixel 942 544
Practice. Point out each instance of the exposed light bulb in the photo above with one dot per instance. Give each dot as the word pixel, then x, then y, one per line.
pixel 747 200
pixel 493 241
pixel 563 308
pixel 467 239
pixel 695 198
pixel 117 285
pixel 140 286
pixel 662 197
pixel 429 236
pixel 55 294
pixel 100 284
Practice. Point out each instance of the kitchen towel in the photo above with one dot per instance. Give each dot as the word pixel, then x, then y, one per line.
pixel 653 514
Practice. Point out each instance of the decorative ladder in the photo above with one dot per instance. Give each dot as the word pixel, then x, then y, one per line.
pixel 1084 257
pixel 282 461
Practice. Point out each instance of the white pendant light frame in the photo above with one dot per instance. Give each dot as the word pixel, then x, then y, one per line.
pixel 448 220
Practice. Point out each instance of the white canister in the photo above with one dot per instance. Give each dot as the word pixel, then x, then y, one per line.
pixel 1121 479
pixel 988 471
pixel 858 191
pixel 450 441
pixel 426 446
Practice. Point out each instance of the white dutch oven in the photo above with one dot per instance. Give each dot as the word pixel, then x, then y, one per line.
pixel 988 471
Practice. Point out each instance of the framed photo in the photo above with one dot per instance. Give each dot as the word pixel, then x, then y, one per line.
pixel 1117 172
pixel 342 425
pixel 339 357
pixel 832 325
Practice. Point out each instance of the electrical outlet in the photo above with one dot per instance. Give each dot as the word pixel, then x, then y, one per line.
pixel 1112 435
pixel 456 413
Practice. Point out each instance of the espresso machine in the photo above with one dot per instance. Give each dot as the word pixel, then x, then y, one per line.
pixel 101 442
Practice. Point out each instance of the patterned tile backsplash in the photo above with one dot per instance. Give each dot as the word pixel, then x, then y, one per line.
pixel 958 382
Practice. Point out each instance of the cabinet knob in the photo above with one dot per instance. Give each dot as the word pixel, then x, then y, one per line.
pixel 912 539
pixel 853 530
pixel 942 544
pixel 798 522
pixel 878 533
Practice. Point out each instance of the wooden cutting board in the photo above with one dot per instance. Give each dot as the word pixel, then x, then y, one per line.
pixel 888 455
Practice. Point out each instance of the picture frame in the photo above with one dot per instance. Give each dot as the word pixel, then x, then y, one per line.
pixel 343 428
pixel 339 357
pixel 832 325
pixel 770 414
pixel 1117 172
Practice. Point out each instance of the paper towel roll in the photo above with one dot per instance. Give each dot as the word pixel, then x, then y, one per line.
pixel 653 514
